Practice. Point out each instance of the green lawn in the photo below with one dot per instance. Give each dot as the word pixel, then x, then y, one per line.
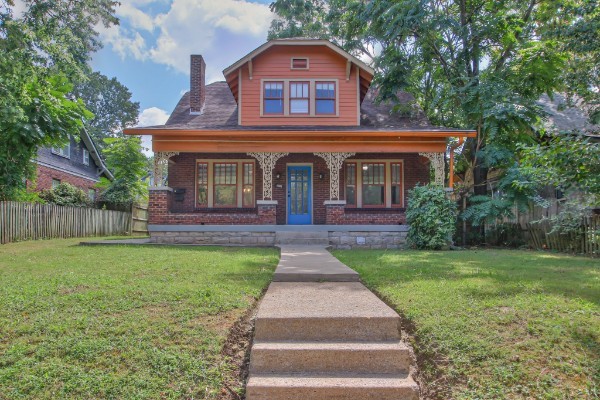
pixel 121 322
pixel 495 324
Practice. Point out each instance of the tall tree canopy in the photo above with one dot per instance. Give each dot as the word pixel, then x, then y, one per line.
pixel 474 64
pixel 42 53
pixel 110 102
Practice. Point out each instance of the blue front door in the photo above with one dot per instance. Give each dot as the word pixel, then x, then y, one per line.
pixel 299 195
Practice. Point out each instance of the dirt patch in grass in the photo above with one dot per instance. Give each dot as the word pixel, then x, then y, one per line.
pixel 426 367
pixel 236 352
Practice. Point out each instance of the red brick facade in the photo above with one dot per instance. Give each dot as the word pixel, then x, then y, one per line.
pixel 45 175
pixel 182 175
pixel 159 213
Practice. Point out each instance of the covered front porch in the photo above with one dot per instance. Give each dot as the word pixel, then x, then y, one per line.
pixel 260 188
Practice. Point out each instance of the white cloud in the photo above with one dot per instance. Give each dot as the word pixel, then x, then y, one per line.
pixel 136 17
pixel 208 26
pixel 222 31
pixel 152 116
pixel 149 117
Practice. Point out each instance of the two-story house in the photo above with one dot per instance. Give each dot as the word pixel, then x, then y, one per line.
pixel 78 163
pixel 291 137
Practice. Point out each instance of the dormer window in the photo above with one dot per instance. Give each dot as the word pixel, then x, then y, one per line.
pixel 299 63
pixel 273 98
pixel 299 97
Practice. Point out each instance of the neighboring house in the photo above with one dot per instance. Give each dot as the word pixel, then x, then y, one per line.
pixel 292 137
pixel 78 163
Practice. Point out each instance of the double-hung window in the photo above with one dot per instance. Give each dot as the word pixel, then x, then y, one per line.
pixel 63 151
pixel 299 98
pixel 225 183
pixel 325 98
pixel 86 158
pixel 373 184
pixel 351 184
pixel 273 98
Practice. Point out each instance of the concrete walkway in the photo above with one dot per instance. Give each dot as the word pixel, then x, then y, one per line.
pixel 309 263
pixel 320 334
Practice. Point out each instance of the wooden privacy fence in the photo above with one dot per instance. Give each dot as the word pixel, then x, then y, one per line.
pixel 30 221
pixel 139 219
pixel 585 240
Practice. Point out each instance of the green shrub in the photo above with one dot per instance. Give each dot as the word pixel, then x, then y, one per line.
pixel 431 216
pixel 66 194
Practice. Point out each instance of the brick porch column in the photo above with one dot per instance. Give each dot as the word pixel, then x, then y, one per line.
pixel 334 212
pixel 267 211
pixel 159 204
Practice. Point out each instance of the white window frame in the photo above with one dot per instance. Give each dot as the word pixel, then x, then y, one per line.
pixel 239 182
pixel 63 151
pixel 86 157
pixel 311 90
pixel 388 182
pixel 55 182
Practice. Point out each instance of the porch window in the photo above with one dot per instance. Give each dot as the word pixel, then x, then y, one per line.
pixel 396 183
pixel 248 189
pixel 350 179
pixel 325 98
pixel 225 183
pixel 373 184
pixel 273 98
pixel 299 98
pixel 202 184
pixel 225 178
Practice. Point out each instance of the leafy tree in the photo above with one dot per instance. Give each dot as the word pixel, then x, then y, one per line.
pixel 111 104
pixel 66 194
pixel 125 159
pixel 568 162
pixel 431 216
pixel 41 54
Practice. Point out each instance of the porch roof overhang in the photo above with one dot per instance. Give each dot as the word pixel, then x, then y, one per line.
pixel 299 141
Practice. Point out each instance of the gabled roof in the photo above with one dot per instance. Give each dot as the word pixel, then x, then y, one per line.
pixel 565 118
pixel 297 42
pixel 91 147
pixel 366 73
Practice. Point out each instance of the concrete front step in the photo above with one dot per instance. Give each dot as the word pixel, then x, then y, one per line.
pixel 331 329
pixel 330 357
pixel 302 238
pixel 328 311
pixel 320 387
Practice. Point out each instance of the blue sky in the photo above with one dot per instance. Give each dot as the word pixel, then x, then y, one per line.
pixel 149 51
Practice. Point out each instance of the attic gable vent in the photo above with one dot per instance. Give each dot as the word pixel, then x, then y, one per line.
pixel 299 63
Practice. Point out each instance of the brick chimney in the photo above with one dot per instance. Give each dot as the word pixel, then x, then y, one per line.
pixel 197 83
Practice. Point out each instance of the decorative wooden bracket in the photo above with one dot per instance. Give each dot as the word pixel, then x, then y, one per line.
pixel 161 159
pixel 267 163
pixel 348 69
pixel 334 162
pixel 438 165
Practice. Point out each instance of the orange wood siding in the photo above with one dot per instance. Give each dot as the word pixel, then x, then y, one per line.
pixel 275 63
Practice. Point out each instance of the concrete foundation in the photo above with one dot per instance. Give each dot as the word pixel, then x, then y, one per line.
pixel 336 236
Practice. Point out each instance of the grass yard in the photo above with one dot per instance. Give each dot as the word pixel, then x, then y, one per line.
pixel 494 324
pixel 121 322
